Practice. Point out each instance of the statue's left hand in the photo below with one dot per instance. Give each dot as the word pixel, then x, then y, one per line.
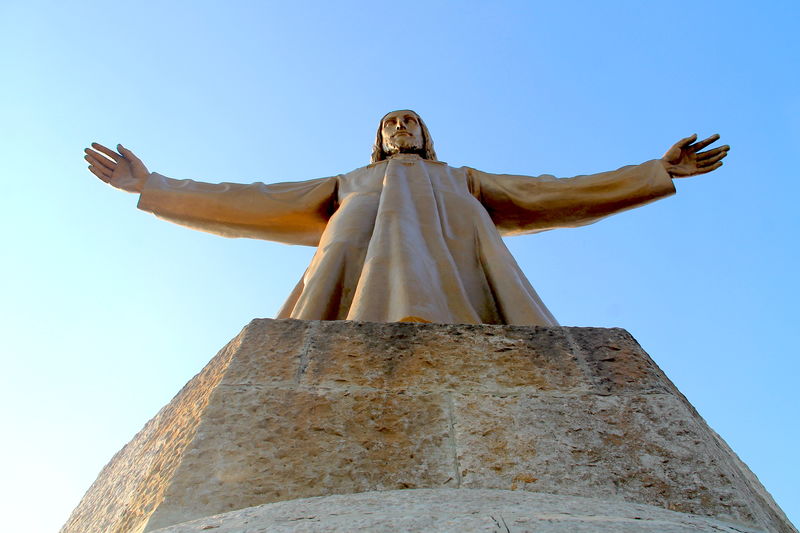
pixel 122 169
pixel 685 159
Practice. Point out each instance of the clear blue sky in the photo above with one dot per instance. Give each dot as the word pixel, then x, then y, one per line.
pixel 107 311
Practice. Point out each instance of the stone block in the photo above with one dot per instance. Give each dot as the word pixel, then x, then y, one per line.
pixel 259 444
pixel 643 448
pixel 442 357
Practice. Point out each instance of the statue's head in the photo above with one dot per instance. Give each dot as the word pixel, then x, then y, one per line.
pixel 402 132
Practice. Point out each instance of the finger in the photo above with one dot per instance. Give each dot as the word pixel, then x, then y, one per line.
pixel 686 141
pixel 702 144
pixel 97 159
pixel 104 171
pixel 99 174
pixel 127 153
pixel 673 155
pixel 711 153
pixel 108 151
pixel 706 170
pixel 711 160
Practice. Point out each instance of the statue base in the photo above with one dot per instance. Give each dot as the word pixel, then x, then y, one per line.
pixel 292 409
pixel 456 511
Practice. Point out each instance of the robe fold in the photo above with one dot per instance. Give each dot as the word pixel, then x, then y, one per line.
pixel 408 239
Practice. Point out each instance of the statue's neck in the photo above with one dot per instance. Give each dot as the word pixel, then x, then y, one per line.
pixel 404 155
pixel 407 151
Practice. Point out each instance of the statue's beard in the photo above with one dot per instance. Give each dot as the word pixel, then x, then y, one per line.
pixel 391 147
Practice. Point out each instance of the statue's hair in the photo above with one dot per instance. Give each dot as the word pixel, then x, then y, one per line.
pixel 427 151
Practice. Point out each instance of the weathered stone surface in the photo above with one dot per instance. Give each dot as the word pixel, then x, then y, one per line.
pixel 456 511
pixel 615 363
pixel 644 448
pixel 131 486
pixel 270 444
pixel 270 352
pixel 293 409
pixel 442 357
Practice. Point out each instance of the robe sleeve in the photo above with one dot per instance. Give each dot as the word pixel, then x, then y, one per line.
pixel 292 213
pixel 524 204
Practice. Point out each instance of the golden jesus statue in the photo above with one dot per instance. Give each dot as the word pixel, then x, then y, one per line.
pixel 407 237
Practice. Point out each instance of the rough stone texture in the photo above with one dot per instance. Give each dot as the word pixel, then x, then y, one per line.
pixel 293 409
pixel 131 486
pixel 637 448
pixel 457 511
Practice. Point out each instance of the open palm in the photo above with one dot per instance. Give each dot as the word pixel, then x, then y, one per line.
pixel 685 159
pixel 122 169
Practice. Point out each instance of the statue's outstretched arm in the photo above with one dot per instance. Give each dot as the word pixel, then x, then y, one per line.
pixel 292 213
pixel 524 204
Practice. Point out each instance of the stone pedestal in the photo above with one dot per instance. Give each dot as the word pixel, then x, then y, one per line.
pixel 293 409
pixel 455 511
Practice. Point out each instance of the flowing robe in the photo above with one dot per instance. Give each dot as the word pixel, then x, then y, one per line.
pixel 408 239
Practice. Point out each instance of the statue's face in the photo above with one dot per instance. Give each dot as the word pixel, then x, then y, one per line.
pixel 401 132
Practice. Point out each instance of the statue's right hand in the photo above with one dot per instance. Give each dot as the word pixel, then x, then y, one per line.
pixel 122 169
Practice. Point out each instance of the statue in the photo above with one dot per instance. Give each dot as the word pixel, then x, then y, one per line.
pixel 407 238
